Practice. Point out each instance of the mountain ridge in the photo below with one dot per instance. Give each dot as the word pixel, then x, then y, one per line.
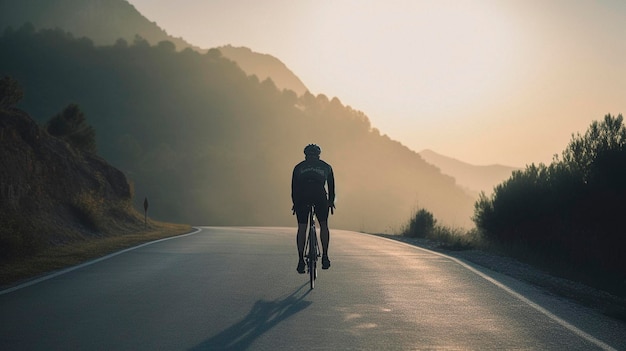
pixel 106 22
pixel 474 178
pixel 264 66
pixel 203 126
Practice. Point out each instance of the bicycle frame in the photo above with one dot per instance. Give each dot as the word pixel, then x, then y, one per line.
pixel 312 248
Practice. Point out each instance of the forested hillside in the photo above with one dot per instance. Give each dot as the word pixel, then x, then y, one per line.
pixel 264 66
pixel 210 145
pixel 105 22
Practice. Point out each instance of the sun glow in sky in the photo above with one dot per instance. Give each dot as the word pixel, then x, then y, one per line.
pixel 484 81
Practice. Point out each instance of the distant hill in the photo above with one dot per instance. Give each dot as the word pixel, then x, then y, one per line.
pixel 104 22
pixel 190 123
pixel 474 178
pixel 210 145
pixel 53 194
pixel 264 66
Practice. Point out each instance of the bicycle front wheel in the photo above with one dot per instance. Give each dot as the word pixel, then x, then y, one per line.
pixel 312 268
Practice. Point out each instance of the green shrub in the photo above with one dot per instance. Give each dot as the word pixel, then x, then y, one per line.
pixel 568 214
pixel 421 225
pixel 16 239
pixel 456 239
pixel 71 126
pixel 424 225
pixel 89 210
pixel 10 92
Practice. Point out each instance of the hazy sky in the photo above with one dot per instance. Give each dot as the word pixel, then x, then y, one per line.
pixel 502 81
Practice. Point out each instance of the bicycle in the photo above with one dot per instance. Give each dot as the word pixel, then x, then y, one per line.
pixel 312 245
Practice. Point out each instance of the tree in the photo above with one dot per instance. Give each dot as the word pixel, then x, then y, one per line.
pixel 166 46
pixel 570 212
pixel 71 126
pixel 601 140
pixel 422 225
pixel 10 92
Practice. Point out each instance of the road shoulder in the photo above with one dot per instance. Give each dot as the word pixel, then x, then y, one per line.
pixel 589 312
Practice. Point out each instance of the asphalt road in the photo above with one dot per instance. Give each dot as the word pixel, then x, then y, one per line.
pixel 237 289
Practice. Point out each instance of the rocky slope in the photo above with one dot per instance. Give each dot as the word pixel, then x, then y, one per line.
pixel 52 194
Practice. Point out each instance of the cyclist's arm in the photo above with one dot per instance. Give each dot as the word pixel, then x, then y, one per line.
pixel 294 186
pixel 331 188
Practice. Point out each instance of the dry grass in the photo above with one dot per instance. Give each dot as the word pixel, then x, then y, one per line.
pixel 75 253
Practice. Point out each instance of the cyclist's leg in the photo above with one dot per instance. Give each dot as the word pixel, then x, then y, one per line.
pixel 322 210
pixel 301 239
pixel 301 215
pixel 324 237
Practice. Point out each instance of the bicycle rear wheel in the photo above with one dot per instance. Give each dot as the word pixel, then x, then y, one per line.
pixel 312 274
pixel 312 260
pixel 312 251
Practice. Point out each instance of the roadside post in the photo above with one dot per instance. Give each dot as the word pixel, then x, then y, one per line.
pixel 145 213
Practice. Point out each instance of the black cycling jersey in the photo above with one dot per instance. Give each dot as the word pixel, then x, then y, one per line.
pixel 308 181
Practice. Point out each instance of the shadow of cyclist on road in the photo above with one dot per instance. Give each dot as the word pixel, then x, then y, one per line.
pixel 263 316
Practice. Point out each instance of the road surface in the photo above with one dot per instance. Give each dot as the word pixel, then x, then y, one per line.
pixel 237 289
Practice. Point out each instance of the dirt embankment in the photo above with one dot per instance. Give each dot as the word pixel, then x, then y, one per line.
pixel 52 194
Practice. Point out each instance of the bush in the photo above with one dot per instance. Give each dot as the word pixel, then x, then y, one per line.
pixel 568 214
pixel 90 210
pixel 10 92
pixel 16 238
pixel 424 225
pixel 71 126
pixel 421 225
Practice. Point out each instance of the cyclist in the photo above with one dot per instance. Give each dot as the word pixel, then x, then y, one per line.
pixel 308 187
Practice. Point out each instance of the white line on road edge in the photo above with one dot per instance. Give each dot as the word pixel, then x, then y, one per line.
pixel 67 270
pixel 520 297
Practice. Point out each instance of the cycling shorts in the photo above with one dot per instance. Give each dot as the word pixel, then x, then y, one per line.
pixel 321 209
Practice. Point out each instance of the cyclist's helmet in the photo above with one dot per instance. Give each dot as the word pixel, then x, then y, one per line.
pixel 312 150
